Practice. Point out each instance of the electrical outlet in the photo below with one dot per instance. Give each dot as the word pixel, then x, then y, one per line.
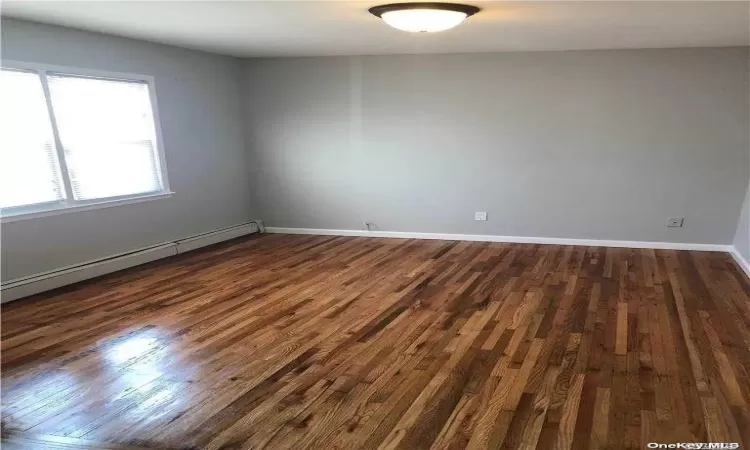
pixel 675 222
pixel 480 216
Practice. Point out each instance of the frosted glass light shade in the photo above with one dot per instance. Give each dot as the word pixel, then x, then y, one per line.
pixel 423 20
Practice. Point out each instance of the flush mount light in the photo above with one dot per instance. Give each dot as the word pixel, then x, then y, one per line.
pixel 423 17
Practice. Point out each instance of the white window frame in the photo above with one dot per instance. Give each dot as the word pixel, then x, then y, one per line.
pixel 70 204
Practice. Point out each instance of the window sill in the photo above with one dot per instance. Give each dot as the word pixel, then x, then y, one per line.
pixel 64 209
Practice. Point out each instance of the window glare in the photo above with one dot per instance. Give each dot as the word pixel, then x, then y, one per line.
pixel 29 172
pixel 107 132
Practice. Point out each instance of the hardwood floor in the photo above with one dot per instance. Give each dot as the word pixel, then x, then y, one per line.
pixel 315 342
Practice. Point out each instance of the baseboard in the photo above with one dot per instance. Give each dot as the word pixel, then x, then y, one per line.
pixel 34 284
pixel 511 239
pixel 23 287
pixel 741 261
pixel 214 237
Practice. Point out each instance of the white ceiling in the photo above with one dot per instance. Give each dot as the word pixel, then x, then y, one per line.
pixel 342 27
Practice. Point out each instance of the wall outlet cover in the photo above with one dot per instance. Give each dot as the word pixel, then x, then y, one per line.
pixel 675 222
pixel 480 216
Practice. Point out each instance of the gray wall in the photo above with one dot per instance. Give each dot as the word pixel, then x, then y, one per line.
pixel 202 131
pixel 590 144
pixel 742 236
pixel 602 144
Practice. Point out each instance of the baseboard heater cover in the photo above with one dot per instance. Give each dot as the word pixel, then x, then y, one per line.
pixel 34 284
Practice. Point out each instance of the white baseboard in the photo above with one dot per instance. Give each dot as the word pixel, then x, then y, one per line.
pixel 214 237
pixel 34 284
pixel 741 261
pixel 511 239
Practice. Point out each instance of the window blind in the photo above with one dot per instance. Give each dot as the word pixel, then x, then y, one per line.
pixel 106 128
pixel 29 170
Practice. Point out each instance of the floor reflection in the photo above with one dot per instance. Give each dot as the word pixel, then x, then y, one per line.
pixel 131 349
pixel 134 377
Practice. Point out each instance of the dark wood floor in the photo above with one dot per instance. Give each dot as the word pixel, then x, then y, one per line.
pixel 314 342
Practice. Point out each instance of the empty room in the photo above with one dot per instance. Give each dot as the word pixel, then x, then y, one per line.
pixel 370 225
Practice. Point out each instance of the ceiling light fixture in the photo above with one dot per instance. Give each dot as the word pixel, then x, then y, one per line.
pixel 424 16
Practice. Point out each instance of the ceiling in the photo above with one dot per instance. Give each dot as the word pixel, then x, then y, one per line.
pixel 342 27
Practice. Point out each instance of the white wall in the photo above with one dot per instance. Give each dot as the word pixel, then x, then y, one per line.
pixel 202 130
pixel 742 236
pixel 590 144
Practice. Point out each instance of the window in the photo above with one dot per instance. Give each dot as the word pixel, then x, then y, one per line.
pixel 29 173
pixel 71 140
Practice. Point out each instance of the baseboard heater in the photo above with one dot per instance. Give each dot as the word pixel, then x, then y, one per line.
pixel 45 281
